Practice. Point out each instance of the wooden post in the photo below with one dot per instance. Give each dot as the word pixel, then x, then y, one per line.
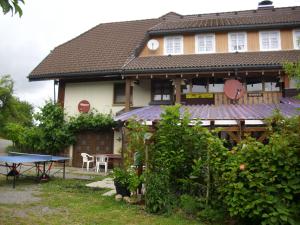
pixel 127 95
pixel 178 91
pixel 61 93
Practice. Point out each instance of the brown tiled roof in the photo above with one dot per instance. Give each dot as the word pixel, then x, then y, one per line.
pixel 104 48
pixel 110 48
pixel 220 21
pixel 207 62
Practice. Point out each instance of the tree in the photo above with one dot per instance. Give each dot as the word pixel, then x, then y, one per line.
pixel 293 71
pixel 12 110
pixel 11 6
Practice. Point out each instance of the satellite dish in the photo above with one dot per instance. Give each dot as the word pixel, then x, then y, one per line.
pixel 153 44
pixel 234 89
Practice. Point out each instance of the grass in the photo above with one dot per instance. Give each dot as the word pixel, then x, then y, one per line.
pixel 70 202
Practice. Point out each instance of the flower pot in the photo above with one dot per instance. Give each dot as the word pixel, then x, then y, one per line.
pixel 121 189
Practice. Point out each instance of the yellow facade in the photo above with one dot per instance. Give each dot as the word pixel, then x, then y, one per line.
pixel 221 43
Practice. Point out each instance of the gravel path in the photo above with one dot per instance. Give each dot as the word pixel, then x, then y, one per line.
pixel 19 195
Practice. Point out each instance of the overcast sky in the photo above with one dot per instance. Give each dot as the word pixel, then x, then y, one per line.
pixel 26 41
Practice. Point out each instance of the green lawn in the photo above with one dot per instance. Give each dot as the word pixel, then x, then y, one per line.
pixel 70 202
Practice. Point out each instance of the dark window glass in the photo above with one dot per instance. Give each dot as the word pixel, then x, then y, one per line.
pixel 254 84
pixel 119 93
pixel 216 84
pixel 199 85
pixel 161 90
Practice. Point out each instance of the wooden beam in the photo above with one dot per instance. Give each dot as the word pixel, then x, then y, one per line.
pixel 61 93
pixel 235 128
pixel 233 136
pixel 263 137
pixel 178 90
pixel 254 129
pixel 127 94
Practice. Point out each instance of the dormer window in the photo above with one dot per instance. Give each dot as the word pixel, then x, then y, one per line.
pixel 269 40
pixel 237 42
pixel 205 43
pixel 296 39
pixel 173 45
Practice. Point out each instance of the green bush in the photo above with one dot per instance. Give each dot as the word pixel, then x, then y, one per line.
pixel 262 182
pixel 91 121
pixel 158 198
pixel 189 204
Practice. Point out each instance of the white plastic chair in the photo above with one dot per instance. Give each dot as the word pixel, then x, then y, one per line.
pixel 101 160
pixel 86 158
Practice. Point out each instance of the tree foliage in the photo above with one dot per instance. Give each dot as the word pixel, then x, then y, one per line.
pixel 91 121
pixel 51 134
pixel 262 182
pixel 12 6
pixel 254 183
pixel 12 110
pixel 293 71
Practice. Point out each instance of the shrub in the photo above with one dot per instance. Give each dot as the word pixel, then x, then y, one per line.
pixel 189 204
pixel 91 121
pixel 158 197
pixel 262 182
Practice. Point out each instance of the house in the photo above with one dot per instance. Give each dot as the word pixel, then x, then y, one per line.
pixel 226 68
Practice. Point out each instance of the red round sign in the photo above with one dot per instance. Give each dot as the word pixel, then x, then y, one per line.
pixel 84 106
pixel 234 89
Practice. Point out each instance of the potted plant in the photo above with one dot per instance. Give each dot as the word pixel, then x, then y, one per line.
pixel 121 181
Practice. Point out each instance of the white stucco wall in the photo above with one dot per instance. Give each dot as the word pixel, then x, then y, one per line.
pixel 142 93
pixel 292 84
pixel 99 94
pixel 117 142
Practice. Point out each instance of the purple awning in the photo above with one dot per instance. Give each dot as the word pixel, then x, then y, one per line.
pixel 220 112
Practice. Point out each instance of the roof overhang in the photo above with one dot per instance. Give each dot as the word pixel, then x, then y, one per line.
pixel 202 69
pixel 224 28
pixel 76 75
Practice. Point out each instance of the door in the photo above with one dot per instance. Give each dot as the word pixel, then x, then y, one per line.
pixel 92 143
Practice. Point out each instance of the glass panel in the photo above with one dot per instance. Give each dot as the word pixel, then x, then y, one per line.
pixel 272 83
pixel 186 89
pixel 216 85
pixel 169 46
pixel 162 90
pixel 297 39
pixel 157 98
pixel 177 45
pixel 272 86
pixel 274 40
pixel 254 84
pixel 119 93
pixel 166 97
pixel 199 85
pixel 201 44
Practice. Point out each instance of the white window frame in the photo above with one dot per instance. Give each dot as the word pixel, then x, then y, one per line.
pixel 197 43
pixel 229 42
pixel 165 44
pixel 295 40
pixel 260 40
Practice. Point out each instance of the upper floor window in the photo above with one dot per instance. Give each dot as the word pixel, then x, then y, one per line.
pixel 173 45
pixel 296 39
pixel 205 43
pixel 269 40
pixel 237 42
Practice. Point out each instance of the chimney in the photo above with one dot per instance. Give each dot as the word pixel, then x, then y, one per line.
pixel 265 5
